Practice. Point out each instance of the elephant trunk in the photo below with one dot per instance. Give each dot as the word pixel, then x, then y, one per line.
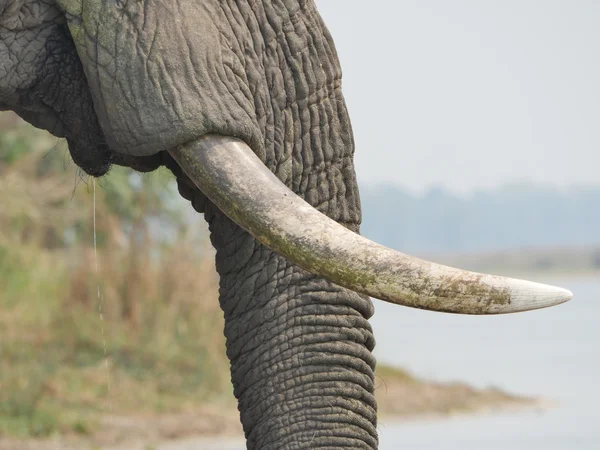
pixel 299 346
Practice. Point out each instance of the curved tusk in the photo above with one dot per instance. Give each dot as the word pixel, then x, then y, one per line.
pixel 236 181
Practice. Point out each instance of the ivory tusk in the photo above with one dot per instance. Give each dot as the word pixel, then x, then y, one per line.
pixel 236 181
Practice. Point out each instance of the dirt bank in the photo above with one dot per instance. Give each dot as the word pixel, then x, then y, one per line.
pixel 400 397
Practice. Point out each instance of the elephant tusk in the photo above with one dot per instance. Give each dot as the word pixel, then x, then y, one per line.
pixel 236 181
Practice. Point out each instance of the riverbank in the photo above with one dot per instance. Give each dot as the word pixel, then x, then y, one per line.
pixel 401 397
pixel 555 262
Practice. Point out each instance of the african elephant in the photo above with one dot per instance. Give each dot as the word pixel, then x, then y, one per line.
pixel 242 101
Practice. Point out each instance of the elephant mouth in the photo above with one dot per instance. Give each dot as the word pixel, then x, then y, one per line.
pixel 229 173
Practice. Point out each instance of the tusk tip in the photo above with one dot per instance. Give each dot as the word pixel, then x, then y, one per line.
pixel 564 295
pixel 537 296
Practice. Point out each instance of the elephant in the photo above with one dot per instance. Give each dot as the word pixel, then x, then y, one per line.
pixel 242 101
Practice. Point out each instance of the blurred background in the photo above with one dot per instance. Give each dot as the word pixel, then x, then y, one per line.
pixel 477 146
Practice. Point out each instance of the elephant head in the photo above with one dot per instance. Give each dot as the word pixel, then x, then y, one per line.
pixel 242 101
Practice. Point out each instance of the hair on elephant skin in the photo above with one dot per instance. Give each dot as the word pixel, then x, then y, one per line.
pixel 242 101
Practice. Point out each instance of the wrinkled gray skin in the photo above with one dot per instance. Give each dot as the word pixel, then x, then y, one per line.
pixel 126 80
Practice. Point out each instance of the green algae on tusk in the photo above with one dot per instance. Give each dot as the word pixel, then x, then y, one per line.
pixel 237 182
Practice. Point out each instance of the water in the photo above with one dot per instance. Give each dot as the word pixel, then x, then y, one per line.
pixel 99 298
pixel 552 353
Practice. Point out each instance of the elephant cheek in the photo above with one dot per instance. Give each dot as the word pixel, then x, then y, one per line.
pixel 162 75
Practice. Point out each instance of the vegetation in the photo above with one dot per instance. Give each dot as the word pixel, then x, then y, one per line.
pixel 518 216
pixel 528 262
pixel 143 334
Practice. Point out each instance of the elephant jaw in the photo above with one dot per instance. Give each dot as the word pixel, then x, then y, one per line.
pixel 236 181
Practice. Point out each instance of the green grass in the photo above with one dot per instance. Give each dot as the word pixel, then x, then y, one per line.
pixel 159 346
pixel 64 368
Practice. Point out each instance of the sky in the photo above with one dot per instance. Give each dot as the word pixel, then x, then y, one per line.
pixel 469 94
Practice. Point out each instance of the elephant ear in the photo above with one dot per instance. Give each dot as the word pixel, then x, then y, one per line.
pixel 42 80
pixel 162 73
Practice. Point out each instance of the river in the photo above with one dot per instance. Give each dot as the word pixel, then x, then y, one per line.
pixel 552 353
